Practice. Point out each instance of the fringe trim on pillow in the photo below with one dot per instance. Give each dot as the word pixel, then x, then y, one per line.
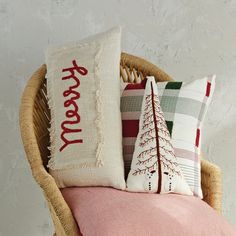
pixel 99 120
pixel 83 165
pixel 51 129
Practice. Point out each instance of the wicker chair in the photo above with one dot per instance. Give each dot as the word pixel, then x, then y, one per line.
pixel 34 123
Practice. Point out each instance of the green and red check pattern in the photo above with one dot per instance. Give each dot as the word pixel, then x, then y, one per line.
pixel 184 106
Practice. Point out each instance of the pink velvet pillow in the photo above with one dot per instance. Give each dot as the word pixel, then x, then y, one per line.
pixel 106 212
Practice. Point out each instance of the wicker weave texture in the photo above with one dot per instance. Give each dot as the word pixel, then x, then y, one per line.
pixel 34 124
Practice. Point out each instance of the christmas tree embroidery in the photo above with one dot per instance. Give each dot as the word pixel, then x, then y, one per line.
pixel 154 155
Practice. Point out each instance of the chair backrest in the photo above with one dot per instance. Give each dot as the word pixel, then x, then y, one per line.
pixel 35 115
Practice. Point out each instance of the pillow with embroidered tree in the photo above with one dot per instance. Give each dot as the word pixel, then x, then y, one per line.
pixel 154 167
pixel 184 105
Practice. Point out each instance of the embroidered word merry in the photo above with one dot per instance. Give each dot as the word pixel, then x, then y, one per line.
pixel 72 113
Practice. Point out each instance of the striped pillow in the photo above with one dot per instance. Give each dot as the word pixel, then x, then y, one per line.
pixel 184 106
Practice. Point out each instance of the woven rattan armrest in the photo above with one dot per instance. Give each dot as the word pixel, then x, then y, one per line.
pixel 211 181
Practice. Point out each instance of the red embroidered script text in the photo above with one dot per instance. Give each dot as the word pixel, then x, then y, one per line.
pixel 72 113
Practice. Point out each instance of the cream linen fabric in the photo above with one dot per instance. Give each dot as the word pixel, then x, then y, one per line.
pixel 84 99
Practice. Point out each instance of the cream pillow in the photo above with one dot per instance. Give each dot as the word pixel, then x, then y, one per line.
pixel 84 99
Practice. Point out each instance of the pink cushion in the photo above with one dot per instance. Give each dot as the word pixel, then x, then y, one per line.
pixel 106 211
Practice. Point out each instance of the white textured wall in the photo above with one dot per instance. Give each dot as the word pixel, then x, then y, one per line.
pixel 187 38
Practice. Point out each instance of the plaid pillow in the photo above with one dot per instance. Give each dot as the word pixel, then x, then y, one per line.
pixel 184 106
